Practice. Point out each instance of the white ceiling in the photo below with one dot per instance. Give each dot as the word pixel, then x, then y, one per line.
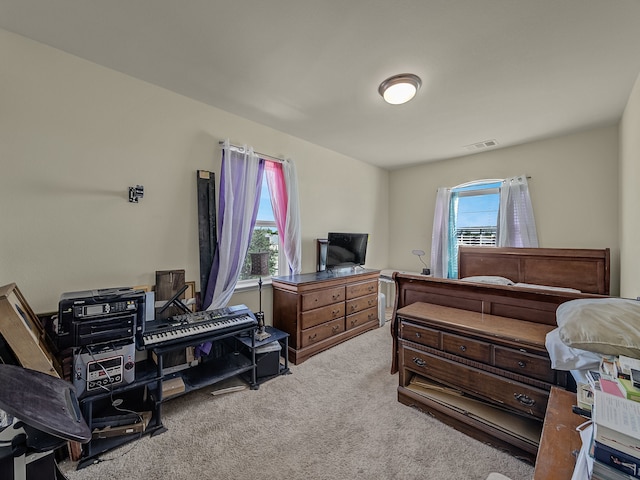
pixel 505 70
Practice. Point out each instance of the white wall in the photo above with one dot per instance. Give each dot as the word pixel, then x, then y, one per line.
pixel 74 136
pixel 573 184
pixel 630 196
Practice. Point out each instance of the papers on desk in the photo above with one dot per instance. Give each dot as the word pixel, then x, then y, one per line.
pixel 584 462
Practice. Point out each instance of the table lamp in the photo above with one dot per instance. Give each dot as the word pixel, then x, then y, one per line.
pixel 420 254
pixel 260 267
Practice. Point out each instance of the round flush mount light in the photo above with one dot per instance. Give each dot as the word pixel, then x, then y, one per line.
pixel 399 88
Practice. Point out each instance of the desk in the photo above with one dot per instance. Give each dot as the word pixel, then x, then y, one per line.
pixel 560 441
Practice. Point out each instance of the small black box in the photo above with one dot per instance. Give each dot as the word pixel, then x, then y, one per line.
pixel 268 359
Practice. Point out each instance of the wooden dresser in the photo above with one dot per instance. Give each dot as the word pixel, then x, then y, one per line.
pixel 486 375
pixel 319 310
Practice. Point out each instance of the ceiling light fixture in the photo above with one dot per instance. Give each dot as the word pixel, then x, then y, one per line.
pixel 399 88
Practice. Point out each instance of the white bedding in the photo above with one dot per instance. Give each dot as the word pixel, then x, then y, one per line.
pixel 496 280
pixel 564 357
pixel 546 287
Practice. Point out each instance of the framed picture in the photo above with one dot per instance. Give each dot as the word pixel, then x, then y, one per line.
pixel 22 331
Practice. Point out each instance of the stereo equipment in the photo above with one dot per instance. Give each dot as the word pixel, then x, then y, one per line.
pixel 96 316
pixel 99 368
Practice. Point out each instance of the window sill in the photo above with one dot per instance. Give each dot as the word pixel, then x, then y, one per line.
pixel 250 285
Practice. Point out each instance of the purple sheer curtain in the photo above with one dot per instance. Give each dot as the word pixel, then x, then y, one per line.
pixel 240 181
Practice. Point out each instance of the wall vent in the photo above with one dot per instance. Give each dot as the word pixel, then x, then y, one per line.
pixel 481 145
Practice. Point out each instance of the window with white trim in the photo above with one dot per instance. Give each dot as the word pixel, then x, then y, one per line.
pixel 265 238
pixel 476 216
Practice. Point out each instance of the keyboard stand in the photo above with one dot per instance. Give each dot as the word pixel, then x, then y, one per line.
pixel 176 301
pixel 224 360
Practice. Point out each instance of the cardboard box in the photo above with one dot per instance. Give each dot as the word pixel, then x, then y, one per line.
pixel 172 386
pixel 115 431
pixel 22 331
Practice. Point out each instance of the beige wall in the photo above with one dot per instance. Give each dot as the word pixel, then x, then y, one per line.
pixel 74 136
pixel 573 184
pixel 630 196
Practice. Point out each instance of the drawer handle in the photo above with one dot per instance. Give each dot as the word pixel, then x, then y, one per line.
pixel 353 322
pixel 420 362
pixel 335 296
pixel 335 312
pixel 371 302
pixel 371 316
pixel 463 348
pixel 313 337
pixel 418 335
pixel 522 364
pixel 335 328
pixel 354 306
pixel 524 399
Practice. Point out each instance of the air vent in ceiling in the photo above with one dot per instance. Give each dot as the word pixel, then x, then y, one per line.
pixel 481 145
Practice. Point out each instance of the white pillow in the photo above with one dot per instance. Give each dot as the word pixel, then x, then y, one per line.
pixel 490 279
pixel 546 287
pixel 609 326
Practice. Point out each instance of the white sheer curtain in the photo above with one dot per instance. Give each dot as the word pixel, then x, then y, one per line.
pixel 240 182
pixel 292 238
pixel 440 234
pixel 516 224
pixel 283 187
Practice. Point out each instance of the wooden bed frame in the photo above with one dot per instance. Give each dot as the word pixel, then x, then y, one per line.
pixel 467 350
pixel 586 270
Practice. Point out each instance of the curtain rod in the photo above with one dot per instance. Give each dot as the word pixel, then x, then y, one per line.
pixel 261 155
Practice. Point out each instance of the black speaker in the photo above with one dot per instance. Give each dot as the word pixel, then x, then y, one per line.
pixel 321 265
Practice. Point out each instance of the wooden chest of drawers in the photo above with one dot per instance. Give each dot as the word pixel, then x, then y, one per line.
pixel 486 375
pixel 320 310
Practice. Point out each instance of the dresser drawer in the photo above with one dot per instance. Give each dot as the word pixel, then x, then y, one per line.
pixel 362 317
pixel 321 298
pixel 418 334
pixel 361 303
pixel 465 347
pixel 524 363
pixel 501 391
pixel 321 332
pixel 311 318
pixel 360 289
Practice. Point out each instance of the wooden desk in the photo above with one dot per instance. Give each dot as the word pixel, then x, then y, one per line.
pixel 560 441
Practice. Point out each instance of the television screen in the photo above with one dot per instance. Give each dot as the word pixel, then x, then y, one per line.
pixel 346 249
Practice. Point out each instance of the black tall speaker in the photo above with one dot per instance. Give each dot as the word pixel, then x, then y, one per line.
pixel 321 264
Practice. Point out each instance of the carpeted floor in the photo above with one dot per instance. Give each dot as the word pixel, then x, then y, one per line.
pixel 335 417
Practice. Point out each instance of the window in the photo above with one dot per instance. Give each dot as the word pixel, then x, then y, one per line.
pixel 476 215
pixel 473 217
pixel 485 212
pixel 265 238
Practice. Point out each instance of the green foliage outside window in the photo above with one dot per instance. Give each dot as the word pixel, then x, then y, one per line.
pixel 261 241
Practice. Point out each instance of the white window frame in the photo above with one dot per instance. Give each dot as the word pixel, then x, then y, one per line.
pixel 477 193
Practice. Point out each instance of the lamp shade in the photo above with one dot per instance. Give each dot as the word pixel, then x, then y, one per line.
pixel 260 263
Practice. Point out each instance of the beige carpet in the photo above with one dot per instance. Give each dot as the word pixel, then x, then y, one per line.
pixel 335 417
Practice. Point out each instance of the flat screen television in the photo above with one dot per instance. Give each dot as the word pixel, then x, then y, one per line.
pixel 346 249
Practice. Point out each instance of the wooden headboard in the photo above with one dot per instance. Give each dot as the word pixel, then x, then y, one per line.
pixel 586 270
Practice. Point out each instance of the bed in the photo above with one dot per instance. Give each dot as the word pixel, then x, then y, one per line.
pixel 586 270
pixel 482 337
pixel 568 273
